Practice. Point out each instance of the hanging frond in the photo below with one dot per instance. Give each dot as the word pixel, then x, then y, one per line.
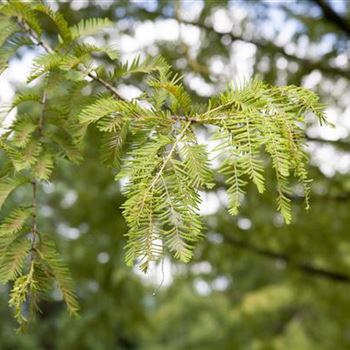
pixel 15 221
pixel 143 233
pixel 197 165
pixel 180 100
pixel 147 66
pixel 24 11
pixel 7 185
pixel 23 97
pixel 163 190
pixel 23 288
pixel 7 28
pixel 67 147
pixel 109 106
pixel 43 167
pixel 178 212
pixel 101 108
pixel 152 141
pixel 48 62
pixel 29 154
pixel 112 144
pixel 12 262
pixel 60 271
pixel 9 49
pixel 85 51
pixel 23 128
pixel 89 26
pixel 60 22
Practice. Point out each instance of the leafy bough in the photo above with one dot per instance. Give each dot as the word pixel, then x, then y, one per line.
pixel 150 140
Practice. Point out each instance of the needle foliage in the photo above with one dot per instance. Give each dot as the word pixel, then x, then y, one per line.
pixel 150 141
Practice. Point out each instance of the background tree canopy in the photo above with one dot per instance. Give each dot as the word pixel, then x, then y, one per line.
pixel 254 282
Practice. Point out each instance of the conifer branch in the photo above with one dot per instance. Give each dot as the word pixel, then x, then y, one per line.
pixel 107 85
pixel 150 139
pixel 36 39
pixel 40 42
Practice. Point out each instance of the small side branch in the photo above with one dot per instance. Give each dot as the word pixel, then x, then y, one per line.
pixel 333 17
pixel 264 45
pixel 34 208
pixel 305 268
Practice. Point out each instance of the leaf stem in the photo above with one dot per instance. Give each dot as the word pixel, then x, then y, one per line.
pixel 172 150
pixel 93 75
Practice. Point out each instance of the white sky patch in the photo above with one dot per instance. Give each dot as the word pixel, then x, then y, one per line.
pixel 67 231
pixel 129 91
pixel 286 32
pixel 210 203
pixel 6 90
pixel 341 61
pixel 312 79
pixel 221 283
pixel 167 29
pixel 242 59
pixel 46 211
pixel 69 199
pixel 215 237
pixel 93 286
pixel 191 36
pixel 103 257
pixel 149 5
pixel 203 267
pixel 329 160
pixel 198 84
pixel 154 276
pixel 244 223
pixel 48 187
pixel 128 44
pixel 337 132
pixel 145 33
pixel 223 197
pixel 217 65
pixel 273 24
pixel 202 287
pixel 190 10
pixel 237 13
pixel 222 23
pixel 77 5
pixel 16 74
pixel 327 43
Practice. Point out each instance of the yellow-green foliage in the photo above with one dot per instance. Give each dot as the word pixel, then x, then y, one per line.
pixel 152 140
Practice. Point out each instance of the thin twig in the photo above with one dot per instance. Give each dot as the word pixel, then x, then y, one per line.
pixel 303 267
pixel 41 119
pixel 34 181
pixel 34 208
pixel 172 150
pixel 333 17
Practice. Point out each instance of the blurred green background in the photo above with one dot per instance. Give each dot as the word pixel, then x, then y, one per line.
pixel 254 283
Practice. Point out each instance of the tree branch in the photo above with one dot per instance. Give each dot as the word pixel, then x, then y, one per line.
pixel 263 44
pixel 342 144
pixel 333 17
pixel 305 268
pixel 39 42
pixel 35 182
